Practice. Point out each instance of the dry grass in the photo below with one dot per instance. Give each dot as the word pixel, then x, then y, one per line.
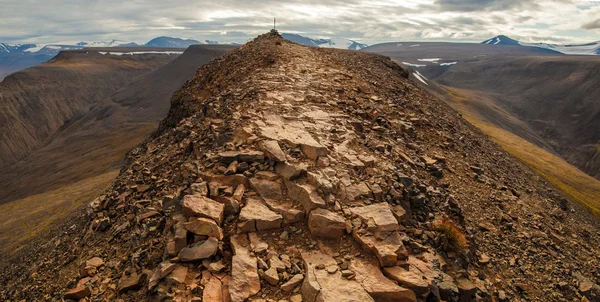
pixel 574 183
pixel 456 237
pixel 23 219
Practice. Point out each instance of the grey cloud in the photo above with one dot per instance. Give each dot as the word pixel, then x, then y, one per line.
pixel 592 25
pixel 480 5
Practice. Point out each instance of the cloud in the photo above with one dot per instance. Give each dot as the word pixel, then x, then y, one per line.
pixel 592 25
pixel 52 21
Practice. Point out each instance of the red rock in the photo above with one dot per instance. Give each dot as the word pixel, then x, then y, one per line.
pixel 78 293
pixel 202 206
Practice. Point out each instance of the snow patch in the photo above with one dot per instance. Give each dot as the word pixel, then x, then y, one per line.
pixel 37 48
pixel 448 64
pixel 420 77
pixel 497 41
pixel 140 53
pixel 429 60
pixel 413 65
pixel 414 45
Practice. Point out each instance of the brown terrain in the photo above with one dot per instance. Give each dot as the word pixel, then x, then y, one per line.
pixel 541 107
pixel 82 157
pixel 290 173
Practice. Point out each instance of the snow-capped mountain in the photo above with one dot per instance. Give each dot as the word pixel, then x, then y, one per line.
pixel 501 40
pixel 113 43
pixel 330 43
pixel 11 48
pixel 569 49
pixel 171 42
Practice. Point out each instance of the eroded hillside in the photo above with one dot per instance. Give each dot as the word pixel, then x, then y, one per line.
pixel 285 172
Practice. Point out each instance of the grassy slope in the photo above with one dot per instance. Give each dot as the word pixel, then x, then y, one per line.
pixel 23 219
pixel 574 183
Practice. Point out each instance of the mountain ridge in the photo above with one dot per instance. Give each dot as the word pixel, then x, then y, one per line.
pixel 294 172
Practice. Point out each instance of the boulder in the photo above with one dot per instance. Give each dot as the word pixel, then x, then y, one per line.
pixel 200 250
pixel 256 216
pixel 202 206
pixel 326 224
pixel 272 150
pixel 322 286
pixel 205 227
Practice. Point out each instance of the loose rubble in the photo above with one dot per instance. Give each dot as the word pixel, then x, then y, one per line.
pixel 287 173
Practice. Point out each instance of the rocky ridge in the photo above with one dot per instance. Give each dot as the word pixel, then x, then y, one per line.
pixel 290 173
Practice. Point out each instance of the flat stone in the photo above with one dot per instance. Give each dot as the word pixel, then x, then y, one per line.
pixel 326 224
pixel 94 262
pixel 131 282
pixel 306 195
pixel 78 293
pixel 290 171
pixel 238 194
pixel 213 290
pixel 275 262
pixel 205 227
pixel 387 250
pixel 202 206
pixel 240 244
pixel 252 157
pixel 256 216
pixel 320 182
pixel 357 191
pixel 200 250
pixel 161 271
pixel 272 150
pixel 244 281
pixel 411 279
pixel 400 213
pixel 290 214
pixel 267 189
pixel 380 213
pixel 321 286
pixel 292 283
pixel 377 285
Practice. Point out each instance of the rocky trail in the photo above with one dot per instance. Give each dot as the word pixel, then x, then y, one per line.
pixel 290 173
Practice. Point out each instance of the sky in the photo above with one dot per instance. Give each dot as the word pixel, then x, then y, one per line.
pixel 71 21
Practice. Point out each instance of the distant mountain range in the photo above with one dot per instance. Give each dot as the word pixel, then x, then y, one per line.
pixel 328 43
pixel 569 49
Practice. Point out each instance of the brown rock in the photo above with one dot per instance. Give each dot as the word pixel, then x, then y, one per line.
pixel 161 271
pixel 411 279
pixel 378 286
pixel 244 277
pixel 289 171
pixel 131 282
pixel 306 195
pixel 178 274
pixel 326 224
pixel 204 226
pixel 321 286
pixel 257 244
pixel 252 157
pixel 200 250
pixel 272 150
pixel 267 189
pixel 271 276
pixel 387 250
pixel 380 213
pixel 213 290
pixel 255 216
pixel 292 283
pixel 201 206
pixel 357 191
pixel 78 293
pixel 466 289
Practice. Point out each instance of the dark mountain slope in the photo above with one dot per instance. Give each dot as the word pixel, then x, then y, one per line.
pixel 36 102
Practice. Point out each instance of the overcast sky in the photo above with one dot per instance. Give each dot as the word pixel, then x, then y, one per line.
pixel 68 21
